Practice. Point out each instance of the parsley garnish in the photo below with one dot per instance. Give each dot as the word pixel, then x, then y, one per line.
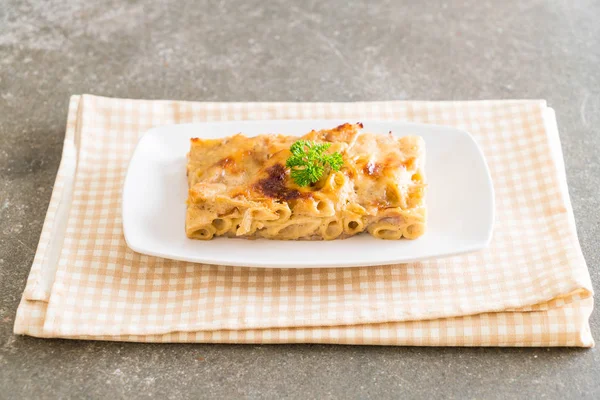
pixel 309 161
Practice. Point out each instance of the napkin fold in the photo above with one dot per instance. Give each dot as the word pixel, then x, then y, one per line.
pixel 531 287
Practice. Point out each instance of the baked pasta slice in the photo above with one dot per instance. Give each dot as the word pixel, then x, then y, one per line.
pixel 240 187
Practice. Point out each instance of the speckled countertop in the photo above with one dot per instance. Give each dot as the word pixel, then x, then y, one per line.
pixel 285 50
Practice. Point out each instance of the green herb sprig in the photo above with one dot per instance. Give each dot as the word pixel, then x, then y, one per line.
pixel 309 161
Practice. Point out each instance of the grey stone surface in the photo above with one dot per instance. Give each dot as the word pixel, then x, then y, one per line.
pixel 284 50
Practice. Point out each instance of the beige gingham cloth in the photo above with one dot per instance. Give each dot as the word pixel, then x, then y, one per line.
pixel 531 287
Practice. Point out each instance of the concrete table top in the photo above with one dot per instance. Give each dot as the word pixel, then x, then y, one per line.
pixel 285 51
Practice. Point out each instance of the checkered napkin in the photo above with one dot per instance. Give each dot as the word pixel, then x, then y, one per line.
pixel 531 286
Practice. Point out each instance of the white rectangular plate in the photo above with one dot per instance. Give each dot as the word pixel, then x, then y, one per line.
pixel 460 201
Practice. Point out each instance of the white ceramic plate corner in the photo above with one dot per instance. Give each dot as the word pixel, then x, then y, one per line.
pixel 460 201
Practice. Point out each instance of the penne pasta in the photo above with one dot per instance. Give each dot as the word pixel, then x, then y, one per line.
pixel 240 187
